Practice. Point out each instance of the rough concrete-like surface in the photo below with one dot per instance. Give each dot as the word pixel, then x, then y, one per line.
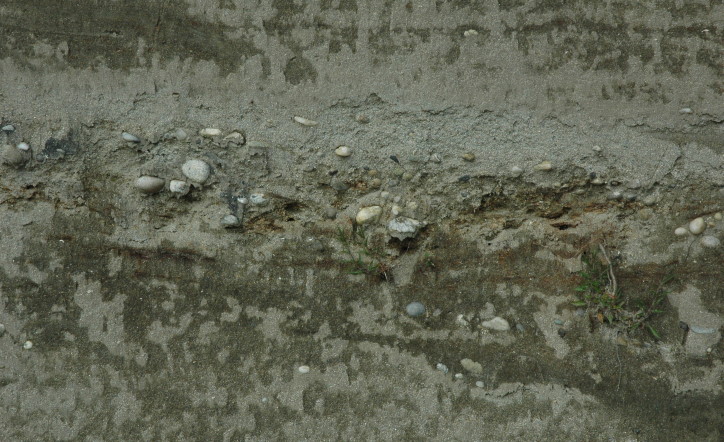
pixel 150 320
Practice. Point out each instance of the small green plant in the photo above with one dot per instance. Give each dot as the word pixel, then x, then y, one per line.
pixel 428 260
pixel 599 292
pixel 363 258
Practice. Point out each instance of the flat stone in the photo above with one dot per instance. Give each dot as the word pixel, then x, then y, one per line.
pixel 497 323
pixel 402 227
pixel 544 166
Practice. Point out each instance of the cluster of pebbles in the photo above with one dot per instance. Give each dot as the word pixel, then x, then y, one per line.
pixel 698 226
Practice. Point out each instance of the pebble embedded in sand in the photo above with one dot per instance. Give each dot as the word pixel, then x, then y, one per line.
pixel 27 345
pixel 497 323
pixel 402 227
pixel 13 156
pixel 149 184
pixel 236 137
pixel 697 226
pixel 8 128
pixel 258 199
pixel 196 170
pixel 180 188
pixel 718 216
pixel 210 132
pixel 472 366
pixel 516 171
pixel 544 166
pixel 710 242
pixel 368 214
pixel 23 146
pixel 469 157
pixel 303 369
pixel 130 137
pixel 415 309
pixel 680 231
pixel 305 121
pixel 343 151
pixel 230 221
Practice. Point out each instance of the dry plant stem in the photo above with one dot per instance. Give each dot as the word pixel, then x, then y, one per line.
pixel 611 276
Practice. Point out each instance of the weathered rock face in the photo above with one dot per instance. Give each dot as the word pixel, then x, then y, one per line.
pixel 506 147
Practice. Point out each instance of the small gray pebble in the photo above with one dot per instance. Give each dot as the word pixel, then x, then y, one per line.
pixel 8 128
pixel 520 327
pixel 338 185
pixel 2 330
pixel 330 213
pixel 415 309
pixel 230 221
pixel 558 322
pixel 130 137
pixel 710 242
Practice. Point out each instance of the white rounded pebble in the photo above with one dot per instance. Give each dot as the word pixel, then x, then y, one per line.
pixel 516 171
pixel 8 128
pixel 497 323
pixel 680 231
pixel 710 242
pixel 258 198
pixel 230 221
pixel 28 345
pixel 544 166
pixel 470 33
pixel 415 309
pixel 130 137
pixel 196 170
pixel 479 384
pixel 149 184
pixel 180 134
pixel 596 148
pixel 697 226
pixel 442 367
pixel 718 216
pixel 305 121
pixel 179 187
pixel 210 132
pixel 685 110
pixel 303 369
pixel 458 375
pixel 368 214
pixel 343 151
pixel 241 200
pixel 23 146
